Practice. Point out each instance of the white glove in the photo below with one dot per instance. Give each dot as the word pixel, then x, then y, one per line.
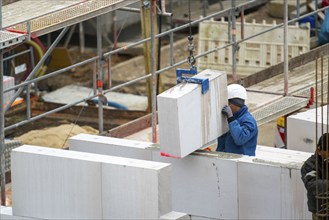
pixel 311 174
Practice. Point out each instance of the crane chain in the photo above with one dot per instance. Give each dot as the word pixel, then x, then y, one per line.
pixel 190 46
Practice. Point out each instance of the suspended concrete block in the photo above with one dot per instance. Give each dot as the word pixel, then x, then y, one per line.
pixel 306 139
pixel 58 184
pixel 189 119
pixel 111 146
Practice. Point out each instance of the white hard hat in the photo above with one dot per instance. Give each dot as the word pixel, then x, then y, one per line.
pixel 236 91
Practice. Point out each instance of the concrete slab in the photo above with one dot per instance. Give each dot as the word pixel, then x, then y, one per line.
pixel 189 119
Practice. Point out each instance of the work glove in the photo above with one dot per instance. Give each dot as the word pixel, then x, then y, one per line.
pixel 226 110
pixel 310 175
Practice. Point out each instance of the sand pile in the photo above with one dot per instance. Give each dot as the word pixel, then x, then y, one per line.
pixel 55 137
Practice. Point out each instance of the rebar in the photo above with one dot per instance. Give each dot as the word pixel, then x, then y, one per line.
pixel 285 46
pixel 2 126
pixel 99 75
pixel 234 45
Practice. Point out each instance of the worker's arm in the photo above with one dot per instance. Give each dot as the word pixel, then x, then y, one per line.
pixel 242 132
pixel 309 177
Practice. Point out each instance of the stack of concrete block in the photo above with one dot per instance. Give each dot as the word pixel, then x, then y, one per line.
pixel 8 82
pixel 201 186
pixel 58 184
pixel 228 186
pixel 314 124
pixel 189 119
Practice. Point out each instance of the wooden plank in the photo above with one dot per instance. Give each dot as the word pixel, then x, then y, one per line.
pixel 86 114
pixel 90 111
pixel 131 127
pixel 313 8
pixel 278 68
pixel 146 19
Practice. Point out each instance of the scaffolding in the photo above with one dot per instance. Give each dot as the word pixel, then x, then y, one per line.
pixel 17 28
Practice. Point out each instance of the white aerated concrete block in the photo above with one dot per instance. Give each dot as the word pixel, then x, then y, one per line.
pixel 8 82
pixel 258 187
pixel 189 119
pixel 201 185
pixel 110 146
pixel 270 185
pixel 136 192
pixel 204 186
pixel 55 184
pixel 59 184
pixel 216 185
pixel 6 213
pixel 305 139
pixel 175 216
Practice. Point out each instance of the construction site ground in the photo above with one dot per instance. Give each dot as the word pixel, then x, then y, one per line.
pixel 46 127
pixel 52 132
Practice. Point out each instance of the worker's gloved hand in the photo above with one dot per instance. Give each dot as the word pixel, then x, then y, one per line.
pixel 226 110
pixel 310 175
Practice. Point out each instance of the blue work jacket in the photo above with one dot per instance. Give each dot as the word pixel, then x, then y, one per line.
pixel 242 135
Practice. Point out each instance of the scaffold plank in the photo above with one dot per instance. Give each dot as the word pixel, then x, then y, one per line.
pixel 8 39
pixel 25 10
pixel 282 106
pixel 69 14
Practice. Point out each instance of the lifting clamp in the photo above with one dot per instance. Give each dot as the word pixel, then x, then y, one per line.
pixel 180 78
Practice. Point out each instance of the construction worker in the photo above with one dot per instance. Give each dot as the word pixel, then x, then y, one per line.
pixel 315 177
pixel 243 132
